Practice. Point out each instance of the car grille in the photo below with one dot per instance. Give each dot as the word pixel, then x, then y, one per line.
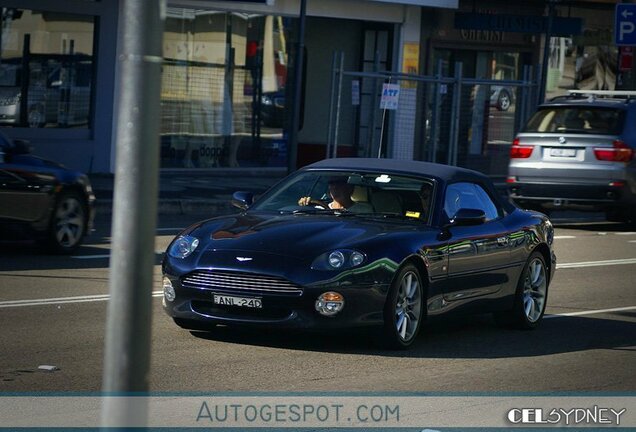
pixel 236 282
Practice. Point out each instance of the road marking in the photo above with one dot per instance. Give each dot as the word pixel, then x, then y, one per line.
pixel 591 312
pixel 91 256
pixel 61 300
pixel 102 256
pixel 564 237
pixel 596 263
pixel 626 233
pixel 631 241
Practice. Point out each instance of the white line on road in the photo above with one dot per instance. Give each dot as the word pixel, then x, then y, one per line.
pixel 591 312
pixel 102 256
pixel 61 300
pixel 563 237
pixel 596 263
pixel 626 233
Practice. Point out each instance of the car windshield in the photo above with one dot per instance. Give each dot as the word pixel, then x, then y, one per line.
pixel 368 194
pixel 580 120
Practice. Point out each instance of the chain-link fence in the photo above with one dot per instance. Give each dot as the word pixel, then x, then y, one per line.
pixel 446 119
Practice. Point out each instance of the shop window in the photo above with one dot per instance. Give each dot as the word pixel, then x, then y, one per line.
pixel 46 69
pixel 224 85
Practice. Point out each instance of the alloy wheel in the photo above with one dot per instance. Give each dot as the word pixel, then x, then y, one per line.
pixel 408 306
pixel 69 222
pixel 534 290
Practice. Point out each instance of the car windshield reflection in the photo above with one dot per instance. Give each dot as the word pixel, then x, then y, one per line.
pixel 372 194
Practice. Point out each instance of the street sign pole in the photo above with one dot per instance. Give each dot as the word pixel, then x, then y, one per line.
pixel 292 144
pixel 127 350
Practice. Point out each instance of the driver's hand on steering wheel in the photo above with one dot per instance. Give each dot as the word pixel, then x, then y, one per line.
pixel 304 201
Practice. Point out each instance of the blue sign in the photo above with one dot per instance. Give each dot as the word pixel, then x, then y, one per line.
pixel 625 24
pixel 518 23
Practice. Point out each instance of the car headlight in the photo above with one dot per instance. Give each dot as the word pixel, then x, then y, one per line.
pixel 183 246
pixel 338 260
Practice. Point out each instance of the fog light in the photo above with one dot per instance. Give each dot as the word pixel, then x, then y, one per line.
pixel 168 290
pixel 329 303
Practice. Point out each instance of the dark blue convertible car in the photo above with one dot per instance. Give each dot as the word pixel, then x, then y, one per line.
pixel 363 242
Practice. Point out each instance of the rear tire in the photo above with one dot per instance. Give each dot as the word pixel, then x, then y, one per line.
pixel 404 309
pixel 530 297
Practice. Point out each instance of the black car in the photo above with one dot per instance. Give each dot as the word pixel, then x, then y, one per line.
pixel 416 240
pixel 42 200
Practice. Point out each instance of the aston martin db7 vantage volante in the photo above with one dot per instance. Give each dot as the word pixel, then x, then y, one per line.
pixel 363 242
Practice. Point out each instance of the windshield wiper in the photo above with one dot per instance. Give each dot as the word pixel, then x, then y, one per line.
pixel 316 211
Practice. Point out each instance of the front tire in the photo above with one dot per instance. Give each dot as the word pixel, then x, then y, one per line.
pixel 530 297
pixel 68 223
pixel 404 309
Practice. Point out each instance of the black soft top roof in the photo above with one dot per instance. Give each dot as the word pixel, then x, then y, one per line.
pixel 442 173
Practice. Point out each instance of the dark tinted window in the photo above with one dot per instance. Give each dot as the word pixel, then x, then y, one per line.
pixel 469 196
pixel 586 120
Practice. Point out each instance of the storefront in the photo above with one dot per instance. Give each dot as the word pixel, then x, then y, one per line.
pixel 495 40
pixel 226 78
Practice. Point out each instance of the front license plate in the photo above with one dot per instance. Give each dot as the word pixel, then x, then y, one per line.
pixel 248 302
pixel 559 152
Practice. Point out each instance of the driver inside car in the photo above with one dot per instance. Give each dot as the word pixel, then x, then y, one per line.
pixel 340 192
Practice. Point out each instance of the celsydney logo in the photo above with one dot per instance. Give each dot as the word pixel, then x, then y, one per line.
pixel 594 415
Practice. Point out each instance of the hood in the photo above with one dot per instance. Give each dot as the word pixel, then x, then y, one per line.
pixel 290 235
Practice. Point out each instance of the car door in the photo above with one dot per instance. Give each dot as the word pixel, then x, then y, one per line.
pixel 478 256
pixel 24 193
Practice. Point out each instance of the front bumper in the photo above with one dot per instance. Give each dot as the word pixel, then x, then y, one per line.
pixel 364 304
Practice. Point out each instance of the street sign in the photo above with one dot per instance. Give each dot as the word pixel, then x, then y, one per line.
pixel 625 58
pixel 390 96
pixel 625 24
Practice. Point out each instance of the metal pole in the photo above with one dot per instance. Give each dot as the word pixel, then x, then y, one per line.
pixel 331 103
pixel 382 127
pixel 374 105
pixel 455 113
pixel 437 115
pixel 546 53
pixel 298 85
pixel 127 350
pixel 340 77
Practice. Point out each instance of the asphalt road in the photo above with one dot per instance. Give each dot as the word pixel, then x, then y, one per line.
pixel 581 346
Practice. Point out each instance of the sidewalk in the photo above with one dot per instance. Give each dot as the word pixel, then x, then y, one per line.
pixel 193 192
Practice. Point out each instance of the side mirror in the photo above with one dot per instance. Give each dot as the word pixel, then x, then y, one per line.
pixel 468 217
pixel 242 200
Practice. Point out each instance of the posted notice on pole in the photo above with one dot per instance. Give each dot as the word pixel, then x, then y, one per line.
pixel 390 96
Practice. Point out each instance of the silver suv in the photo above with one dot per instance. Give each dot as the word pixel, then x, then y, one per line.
pixel 578 152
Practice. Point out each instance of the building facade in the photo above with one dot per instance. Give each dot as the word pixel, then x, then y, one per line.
pixel 228 70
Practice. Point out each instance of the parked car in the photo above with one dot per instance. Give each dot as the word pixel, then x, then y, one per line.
pixel 58 93
pixel 577 152
pixel 42 200
pixel 425 240
pixel 501 97
pixel 273 108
